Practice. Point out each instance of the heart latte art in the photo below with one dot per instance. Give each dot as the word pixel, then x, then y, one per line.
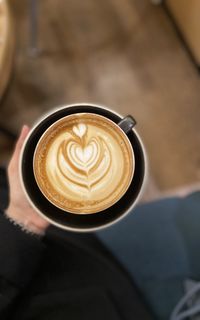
pixel 83 163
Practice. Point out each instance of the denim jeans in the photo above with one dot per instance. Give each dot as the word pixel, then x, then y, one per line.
pixel 158 244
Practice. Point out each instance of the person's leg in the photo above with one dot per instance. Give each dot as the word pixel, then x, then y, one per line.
pixel 188 224
pixel 150 243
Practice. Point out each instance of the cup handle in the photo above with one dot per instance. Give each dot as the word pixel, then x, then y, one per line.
pixel 127 124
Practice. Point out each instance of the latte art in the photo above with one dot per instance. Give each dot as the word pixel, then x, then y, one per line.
pixel 82 164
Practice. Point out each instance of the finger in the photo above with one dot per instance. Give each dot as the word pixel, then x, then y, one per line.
pixel 15 157
pixel 24 132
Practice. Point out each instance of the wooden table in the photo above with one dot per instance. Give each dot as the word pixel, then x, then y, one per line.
pixel 6 44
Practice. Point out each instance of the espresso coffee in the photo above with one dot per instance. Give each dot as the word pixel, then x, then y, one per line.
pixel 83 163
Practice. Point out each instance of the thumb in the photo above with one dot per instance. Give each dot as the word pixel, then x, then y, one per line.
pixel 13 164
pixel 24 132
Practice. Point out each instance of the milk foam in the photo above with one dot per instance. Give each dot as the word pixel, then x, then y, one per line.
pixel 82 161
pixel 86 165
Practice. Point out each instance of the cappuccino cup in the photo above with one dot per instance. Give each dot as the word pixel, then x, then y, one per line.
pixel 83 167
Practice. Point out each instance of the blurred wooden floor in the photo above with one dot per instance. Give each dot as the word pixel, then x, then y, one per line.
pixel 121 53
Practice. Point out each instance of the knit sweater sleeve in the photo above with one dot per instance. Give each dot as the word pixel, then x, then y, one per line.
pixel 20 256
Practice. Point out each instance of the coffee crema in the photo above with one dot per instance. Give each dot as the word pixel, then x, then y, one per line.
pixel 83 163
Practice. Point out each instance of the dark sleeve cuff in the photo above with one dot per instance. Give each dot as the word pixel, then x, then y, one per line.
pixel 20 253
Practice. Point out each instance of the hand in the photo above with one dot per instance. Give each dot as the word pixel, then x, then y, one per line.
pixel 19 208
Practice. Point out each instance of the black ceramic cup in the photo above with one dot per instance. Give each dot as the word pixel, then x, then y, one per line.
pixel 79 222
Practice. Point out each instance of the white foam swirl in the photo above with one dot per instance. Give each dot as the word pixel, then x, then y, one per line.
pixel 82 162
pixel 83 166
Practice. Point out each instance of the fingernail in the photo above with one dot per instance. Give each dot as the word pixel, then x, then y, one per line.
pixel 24 131
pixel 25 128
